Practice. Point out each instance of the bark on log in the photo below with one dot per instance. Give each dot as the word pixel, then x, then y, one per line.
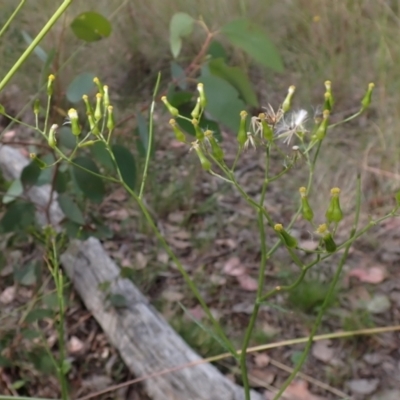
pixel 146 342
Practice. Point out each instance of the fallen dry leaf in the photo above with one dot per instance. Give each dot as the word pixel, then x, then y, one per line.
pixel 233 267
pixel 322 351
pixel 374 275
pixel 261 360
pixel 141 260
pixel 8 295
pixel 172 295
pixel 196 313
pixel 363 386
pixel 261 377
pixel 298 390
pixel 75 345
pixel 248 283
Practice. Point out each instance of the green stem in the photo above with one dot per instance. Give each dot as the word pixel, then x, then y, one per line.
pixel 35 42
pixel 13 15
pixel 151 133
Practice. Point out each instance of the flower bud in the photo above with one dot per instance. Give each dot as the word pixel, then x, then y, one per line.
pixel 197 129
pixel 73 117
pixel 179 135
pixel 267 131
pixel 216 150
pixel 97 112
pixel 328 96
pixel 366 101
pixel 172 110
pixel 110 118
pixel 397 197
pixel 106 97
pixel 89 109
pixel 242 134
pixel 50 84
pixel 99 85
pixel 287 103
pixel 306 210
pixel 36 107
pixel 327 238
pixel 196 111
pixel 93 125
pixel 40 163
pixel 334 212
pixel 203 99
pixel 288 239
pixel 87 143
pixel 323 126
pixel 205 163
pixel 52 136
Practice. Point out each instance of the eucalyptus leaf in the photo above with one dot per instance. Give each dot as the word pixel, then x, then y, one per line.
pixel 181 25
pixel 81 84
pixel 91 26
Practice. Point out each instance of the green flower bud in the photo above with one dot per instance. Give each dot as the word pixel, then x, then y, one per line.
pixel 267 131
pixel 36 107
pixel 323 126
pixel 306 210
pixel 99 85
pixel 73 117
pixel 334 212
pixel 397 197
pixel 327 238
pixel 242 134
pixel 366 101
pixel 89 109
pixel 97 112
pixel 196 110
pixel 106 97
pixel 288 239
pixel 52 136
pixel 327 102
pixel 216 150
pixel 41 164
pixel 203 99
pixel 93 125
pixel 110 118
pixel 287 103
pixel 197 129
pixel 172 110
pixel 328 96
pixel 50 84
pixel 179 135
pixel 88 143
pixel 205 163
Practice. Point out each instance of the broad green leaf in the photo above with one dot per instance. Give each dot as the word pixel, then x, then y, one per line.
pixel 91 26
pixel 181 25
pixel 30 174
pixel 142 136
pixel 126 164
pixel 61 182
pixel 82 84
pixel 223 101
pixel 19 216
pixel 42 361
pixel 91 186
pixel 254 41
pixel 75 231
pixel 236 77
pixel 178 98
pixel 65 136
pixel 178 75
pixel 46 175
pixel 216 50
pixel 30 334
pixel 102 156
pixel 41 54
pixel 37 314
pixel 26 274
pixel 71 209
pixel 13 192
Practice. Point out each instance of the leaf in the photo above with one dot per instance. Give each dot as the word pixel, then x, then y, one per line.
pixel 26 274
pixel 178 98
pixel 71 209
pixel 248 283
pixel 92 186
pixel 30 174
pixel 251 38
pixel 237 78
pixel 363 386
pixel 374 275
pixel 65 136
pixel 61 182
pixel 223 101
pixel 41 54
pixel 181 25
pixel 217 50
pixel 379 304
pixel 233 267
pixel 37 314
pixel 13 192
pixel 102 156
pixel 46 175
pixel 126 164
pixel 19 216
pixel 81 84
pixel 91 26
pixel 178 75
pixel 118 301
pixel 142 135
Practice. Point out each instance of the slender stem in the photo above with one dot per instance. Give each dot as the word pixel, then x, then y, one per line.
pixel 35 42
pixel 151 134
pixel 13 15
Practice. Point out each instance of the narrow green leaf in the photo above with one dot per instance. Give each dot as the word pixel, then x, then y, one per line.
pixel 82 84
pixel 237 78
pixel 13 192
pixel 126 164
pixel 70 209
pixel 251 38
pixel 91 186
pixel 91 26
pixel 181 25
pixel 40 53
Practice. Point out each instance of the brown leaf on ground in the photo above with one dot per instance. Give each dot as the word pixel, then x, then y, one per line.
pixel 322 351
pixel 8 295
pixel 261 360
pixel 375 274
pixel 233 267
pixel 261 377
pixel 298 390
pixel 363 386
pixel 248 283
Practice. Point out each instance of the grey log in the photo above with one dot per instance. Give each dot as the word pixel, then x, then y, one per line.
pixel 144 339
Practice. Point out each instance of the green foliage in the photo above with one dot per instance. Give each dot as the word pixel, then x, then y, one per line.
pixel 91 26
pixel 126 164
pixel 82 84
pixel 181 26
